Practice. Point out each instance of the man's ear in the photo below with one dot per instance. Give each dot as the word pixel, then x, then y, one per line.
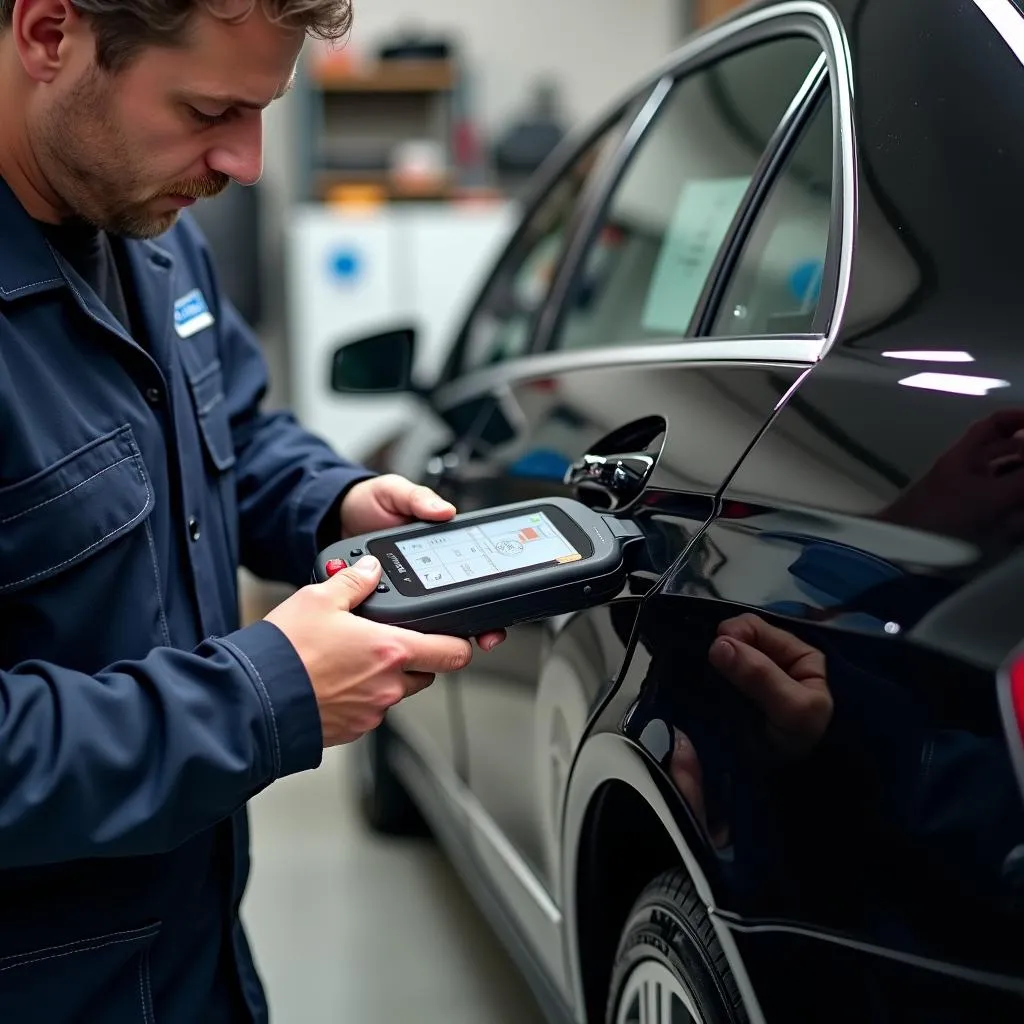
pixel 49 35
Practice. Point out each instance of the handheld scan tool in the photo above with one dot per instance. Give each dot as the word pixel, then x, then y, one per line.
pixel 492 568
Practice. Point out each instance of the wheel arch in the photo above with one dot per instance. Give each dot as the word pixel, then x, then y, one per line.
pixel 623 825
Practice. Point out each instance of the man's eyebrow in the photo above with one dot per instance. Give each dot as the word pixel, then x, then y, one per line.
pixel 241 101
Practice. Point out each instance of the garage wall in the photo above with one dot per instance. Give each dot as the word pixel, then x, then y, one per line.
pixel 592 48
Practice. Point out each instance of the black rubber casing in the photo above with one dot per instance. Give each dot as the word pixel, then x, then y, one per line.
pixel 468 609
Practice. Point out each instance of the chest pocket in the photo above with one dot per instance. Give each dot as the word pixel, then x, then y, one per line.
pixel 72 510
pixel 208 400
pixel 207 387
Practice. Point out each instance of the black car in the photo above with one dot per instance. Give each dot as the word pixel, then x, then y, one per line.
pixel 777 295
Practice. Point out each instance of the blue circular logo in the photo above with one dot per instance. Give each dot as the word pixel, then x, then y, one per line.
pixel 345 265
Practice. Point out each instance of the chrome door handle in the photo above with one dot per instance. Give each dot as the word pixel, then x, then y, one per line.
pixel 620 478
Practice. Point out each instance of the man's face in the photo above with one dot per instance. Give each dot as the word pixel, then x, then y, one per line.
pixel 127 151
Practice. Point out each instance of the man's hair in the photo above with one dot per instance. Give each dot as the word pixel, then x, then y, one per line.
pixel 124 27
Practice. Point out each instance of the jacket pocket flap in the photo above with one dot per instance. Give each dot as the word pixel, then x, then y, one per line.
pixel 72 509
pixel 102 978
pixel 133 940
pixel 207 388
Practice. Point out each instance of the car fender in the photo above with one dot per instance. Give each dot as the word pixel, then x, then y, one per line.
pixel 612 758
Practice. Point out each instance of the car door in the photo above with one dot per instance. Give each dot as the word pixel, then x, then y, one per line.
pixel 609 349
pixel 856 792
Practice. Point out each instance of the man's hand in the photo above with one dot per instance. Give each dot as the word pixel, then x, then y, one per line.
pixel 359 668
pixel 975 489
pixel 781 674
pixel 392 500
pixel 387 501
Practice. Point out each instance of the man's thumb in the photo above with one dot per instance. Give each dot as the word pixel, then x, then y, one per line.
pixel 356 583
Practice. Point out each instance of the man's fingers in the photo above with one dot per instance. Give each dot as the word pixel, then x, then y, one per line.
pixel 1001 424
pixel 781 647
pixel 352 586
pixel 798 714
pixel 416 682
pixel 436 654
pixel 685 769
pixel 488 641
pixel 783 700
pixel 1007 421
pixel 425 504
pixel 752 673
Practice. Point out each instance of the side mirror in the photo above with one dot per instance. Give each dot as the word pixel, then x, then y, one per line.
pixel 380 364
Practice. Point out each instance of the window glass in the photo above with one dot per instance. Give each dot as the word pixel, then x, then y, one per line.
pixel 667 218
pixel 502 325
pixel 776 286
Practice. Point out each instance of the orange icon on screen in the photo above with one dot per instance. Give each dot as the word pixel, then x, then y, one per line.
pixel 527 534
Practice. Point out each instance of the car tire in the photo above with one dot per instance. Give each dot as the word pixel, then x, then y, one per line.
pixel 385 803
pixel 670 965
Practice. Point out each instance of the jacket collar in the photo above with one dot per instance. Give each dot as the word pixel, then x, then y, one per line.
pixel 27 264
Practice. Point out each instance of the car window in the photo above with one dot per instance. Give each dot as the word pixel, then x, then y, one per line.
pixel 776 286
pixel 501 327
pixel 668 216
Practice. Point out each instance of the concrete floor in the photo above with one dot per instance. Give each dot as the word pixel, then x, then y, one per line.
pixel 347 927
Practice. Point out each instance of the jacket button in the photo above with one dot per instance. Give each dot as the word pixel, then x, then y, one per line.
pixel 153 396
pixel 193 528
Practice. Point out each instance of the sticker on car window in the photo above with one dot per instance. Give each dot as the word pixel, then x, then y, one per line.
pixel 703 214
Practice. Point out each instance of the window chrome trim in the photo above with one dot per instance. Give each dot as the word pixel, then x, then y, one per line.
pixel 802 350
pixel 842 96
pixel 590 213
pixel 770 168
pixel 618 117
pixel 687 59
pixel 805 349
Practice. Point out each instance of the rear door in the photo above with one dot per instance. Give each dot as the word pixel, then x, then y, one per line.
pixel 612 345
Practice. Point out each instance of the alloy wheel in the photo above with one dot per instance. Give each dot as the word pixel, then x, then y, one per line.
pixel 652 994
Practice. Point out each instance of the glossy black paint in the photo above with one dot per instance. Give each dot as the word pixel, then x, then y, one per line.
pixel 862 852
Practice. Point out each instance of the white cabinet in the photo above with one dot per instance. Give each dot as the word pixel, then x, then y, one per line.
pixel 353 274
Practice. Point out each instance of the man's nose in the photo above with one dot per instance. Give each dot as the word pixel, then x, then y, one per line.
pixel 239 151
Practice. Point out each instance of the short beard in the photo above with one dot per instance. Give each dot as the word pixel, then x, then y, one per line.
pixel 89 164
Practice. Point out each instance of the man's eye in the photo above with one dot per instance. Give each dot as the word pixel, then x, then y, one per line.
pixel 208 119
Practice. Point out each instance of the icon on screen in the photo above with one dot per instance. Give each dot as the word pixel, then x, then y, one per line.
pixel 508 547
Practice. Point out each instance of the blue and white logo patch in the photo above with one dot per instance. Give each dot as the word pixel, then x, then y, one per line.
pixel 191 314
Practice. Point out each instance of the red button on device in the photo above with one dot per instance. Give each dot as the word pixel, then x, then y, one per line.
pixel 335 565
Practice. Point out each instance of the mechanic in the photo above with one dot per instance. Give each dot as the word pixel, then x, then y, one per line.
pixel 137 472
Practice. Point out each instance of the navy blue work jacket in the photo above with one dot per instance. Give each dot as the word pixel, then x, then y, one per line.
pixel 136 718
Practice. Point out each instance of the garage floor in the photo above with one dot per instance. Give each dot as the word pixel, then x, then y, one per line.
pixel 349 928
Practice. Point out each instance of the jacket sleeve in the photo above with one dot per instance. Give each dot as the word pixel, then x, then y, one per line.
pixel 289 482
pixel 140 757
